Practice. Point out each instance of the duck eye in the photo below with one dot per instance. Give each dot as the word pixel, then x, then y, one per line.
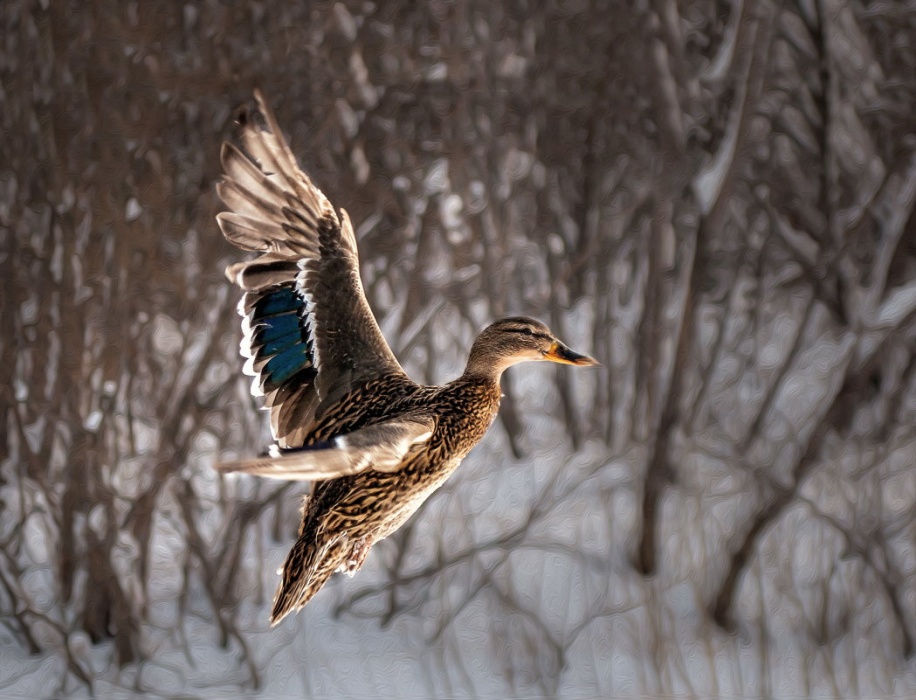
pixel 526 331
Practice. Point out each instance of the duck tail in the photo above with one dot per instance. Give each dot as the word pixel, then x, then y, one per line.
pixel 308 567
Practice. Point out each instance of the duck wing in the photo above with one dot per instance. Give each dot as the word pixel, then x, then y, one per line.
pixel 381 446
pixel 309 334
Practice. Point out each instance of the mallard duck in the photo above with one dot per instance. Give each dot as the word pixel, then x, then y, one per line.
pixel 343 412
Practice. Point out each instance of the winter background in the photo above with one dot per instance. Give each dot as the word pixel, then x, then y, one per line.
pixel 714 198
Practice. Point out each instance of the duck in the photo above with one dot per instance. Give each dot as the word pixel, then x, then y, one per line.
pixel 344 415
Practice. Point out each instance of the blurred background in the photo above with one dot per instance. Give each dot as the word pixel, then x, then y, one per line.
pixel 713 198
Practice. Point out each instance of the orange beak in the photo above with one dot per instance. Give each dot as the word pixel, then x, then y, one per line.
pixel 562 354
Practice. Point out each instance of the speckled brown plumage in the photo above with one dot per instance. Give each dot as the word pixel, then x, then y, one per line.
pixel 343 413
pixel 368 506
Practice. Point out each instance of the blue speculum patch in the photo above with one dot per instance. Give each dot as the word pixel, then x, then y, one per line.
pixel 287 363
pixel 281 301
pixel 279 337
pixel 277 326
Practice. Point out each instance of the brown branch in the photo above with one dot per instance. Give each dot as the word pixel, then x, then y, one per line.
pixel 658 469
pixel 889 582
pixel 755 426
pixel 835 419
pixel 18 606
pixel 222 605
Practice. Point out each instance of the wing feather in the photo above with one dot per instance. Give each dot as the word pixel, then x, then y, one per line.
pixel 309 334
pixel 381 446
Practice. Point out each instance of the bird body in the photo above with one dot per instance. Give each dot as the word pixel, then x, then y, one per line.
pixel 343 412
pixel 370 505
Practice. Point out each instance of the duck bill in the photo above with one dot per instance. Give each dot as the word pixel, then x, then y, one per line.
pixel 562 354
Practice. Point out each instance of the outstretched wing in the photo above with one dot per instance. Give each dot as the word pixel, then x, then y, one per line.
pixel 310 335
pixel 381 446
